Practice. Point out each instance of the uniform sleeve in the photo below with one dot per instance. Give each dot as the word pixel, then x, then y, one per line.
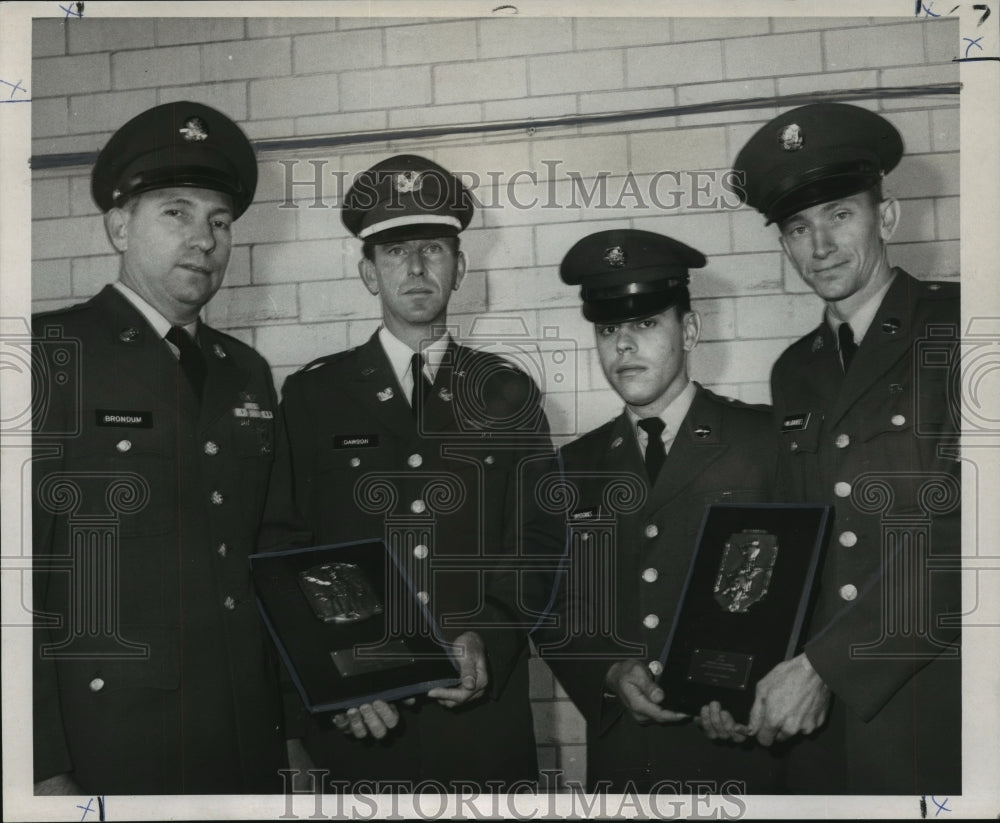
pixel 283 525
pixel 516 598
pixel 51 752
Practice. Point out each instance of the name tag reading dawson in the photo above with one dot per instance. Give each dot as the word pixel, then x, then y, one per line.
pixel 355 441
pixel 126 419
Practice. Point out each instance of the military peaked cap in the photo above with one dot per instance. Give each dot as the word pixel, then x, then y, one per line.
pixel 815 154
pixel 406 197
pixel 176 144
pixel 628 274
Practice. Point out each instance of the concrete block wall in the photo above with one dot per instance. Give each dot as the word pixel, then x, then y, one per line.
pixel 292 289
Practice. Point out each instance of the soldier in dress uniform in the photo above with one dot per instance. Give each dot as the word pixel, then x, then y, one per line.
pixel 640 484
pixel 863 405
pixel 415 413
pixel 153 447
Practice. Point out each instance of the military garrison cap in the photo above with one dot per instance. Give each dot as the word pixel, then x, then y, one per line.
pixel 176 144
pixel 406 197
pixel 815 154
pixel 628 274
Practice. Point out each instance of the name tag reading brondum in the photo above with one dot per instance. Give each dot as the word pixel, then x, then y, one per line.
pixel 796 422
pixel 592 513
pixel 355 441
pixel 125 419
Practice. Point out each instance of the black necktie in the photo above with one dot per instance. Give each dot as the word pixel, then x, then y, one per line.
pixel 191 361
pixel 421 385
pixel 847 345
pixel 655 452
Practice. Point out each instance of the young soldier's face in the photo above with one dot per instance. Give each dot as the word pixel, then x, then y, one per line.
pixel 414 279
pixel 839 247
pixel 645 361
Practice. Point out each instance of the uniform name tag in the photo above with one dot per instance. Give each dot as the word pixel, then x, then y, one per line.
pixel 355 441
pixel 586 514
pixel 126 419
pixel 796 422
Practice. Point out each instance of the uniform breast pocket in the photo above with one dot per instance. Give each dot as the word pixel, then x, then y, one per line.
pixel 800 432
pixel 354 478
pixel 887 419
pixel 123 480
pixel 253 438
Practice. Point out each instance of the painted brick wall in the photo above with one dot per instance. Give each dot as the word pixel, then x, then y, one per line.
pixel 292 289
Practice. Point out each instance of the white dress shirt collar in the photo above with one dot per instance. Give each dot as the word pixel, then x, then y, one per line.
pixel 159 323
pixel 672 417
pixel 862 319
pixel 400 355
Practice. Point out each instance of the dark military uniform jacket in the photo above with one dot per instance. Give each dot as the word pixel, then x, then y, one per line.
pixel 632 546
pixel 450 497
pixel 152 670
pixel 881 444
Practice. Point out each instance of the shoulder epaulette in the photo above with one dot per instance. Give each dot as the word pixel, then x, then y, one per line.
pixel 325 360
pixel 941 289
pixel 45 315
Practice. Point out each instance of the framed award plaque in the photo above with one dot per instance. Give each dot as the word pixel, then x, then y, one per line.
pixel 348 625
pixel 745 602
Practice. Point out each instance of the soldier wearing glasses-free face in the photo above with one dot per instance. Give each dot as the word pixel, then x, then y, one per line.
pixel 176 692
pixel 873 704
pixel 678 447
pixel 411 404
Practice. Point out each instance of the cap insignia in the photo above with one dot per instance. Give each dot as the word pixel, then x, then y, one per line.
pixel 408 181
pixel 615 257
pixel 194 130
pixel 790 137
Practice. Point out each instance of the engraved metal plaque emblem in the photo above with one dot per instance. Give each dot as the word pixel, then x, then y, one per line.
pixel 339 593
pixel 745 569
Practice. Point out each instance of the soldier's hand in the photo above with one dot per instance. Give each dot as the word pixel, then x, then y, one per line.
pixel 471 653
pixel 718 724
pixel 631 681
pixel 791 699
pixel 373 719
